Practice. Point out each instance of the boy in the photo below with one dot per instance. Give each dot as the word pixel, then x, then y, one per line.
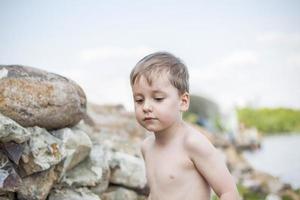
pixel 181 163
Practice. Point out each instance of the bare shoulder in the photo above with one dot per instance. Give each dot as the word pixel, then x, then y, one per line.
pixel 147 142
pixel 196 142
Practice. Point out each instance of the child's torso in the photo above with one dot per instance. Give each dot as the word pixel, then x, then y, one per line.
pixel 172 175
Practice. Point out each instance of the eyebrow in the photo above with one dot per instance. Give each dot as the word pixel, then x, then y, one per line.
pixel 158 91
pixel 154 91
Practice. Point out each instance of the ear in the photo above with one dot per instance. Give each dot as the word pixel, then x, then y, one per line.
pixel 184 102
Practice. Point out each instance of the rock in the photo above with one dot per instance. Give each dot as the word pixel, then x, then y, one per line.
pixel 265 182
pixel 33 97
pixel 7 196
pixel 273 197
pixel 73 194
pixel 290 194
pixel 77 143
pixel 37 186
pixel 235 161
pixel 127 170
pixel 119 193
pixel 253 185
pixel 10 181
pixel 42 151
pixel 116 119
pixel 94 172
pixel 112 141
pixel 12 131
pixel 13 151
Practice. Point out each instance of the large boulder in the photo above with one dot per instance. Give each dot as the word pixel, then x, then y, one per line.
pixel 33 97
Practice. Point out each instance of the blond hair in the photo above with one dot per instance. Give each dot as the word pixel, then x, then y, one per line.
pixel 161 63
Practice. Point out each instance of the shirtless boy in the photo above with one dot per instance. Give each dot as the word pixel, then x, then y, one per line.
pixel 181 163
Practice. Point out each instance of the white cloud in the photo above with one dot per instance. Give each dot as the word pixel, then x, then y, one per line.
pixel 113 52
pixel 226 66
pixel 279 38
pixel 247 76
pixel 294 59
pixel 239 58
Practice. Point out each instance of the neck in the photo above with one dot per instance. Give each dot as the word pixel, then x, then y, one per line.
pixel 165 136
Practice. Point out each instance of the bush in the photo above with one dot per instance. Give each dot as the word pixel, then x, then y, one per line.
pixel 268 120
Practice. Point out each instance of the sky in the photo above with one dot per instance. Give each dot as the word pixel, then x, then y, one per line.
pixel 238 52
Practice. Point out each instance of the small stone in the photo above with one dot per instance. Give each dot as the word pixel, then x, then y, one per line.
pixel 9 179
pixel 12 131
pixel 273 197
pixel 73 194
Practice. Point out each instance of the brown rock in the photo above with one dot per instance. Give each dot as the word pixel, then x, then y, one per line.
pixel 33 97
pixel 37 186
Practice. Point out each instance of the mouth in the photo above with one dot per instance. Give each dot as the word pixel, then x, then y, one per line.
pixel 149 119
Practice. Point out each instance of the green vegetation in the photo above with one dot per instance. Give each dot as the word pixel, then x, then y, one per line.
pixel 285 197
pixel 190 117
pixel 246 194
pixel 266 120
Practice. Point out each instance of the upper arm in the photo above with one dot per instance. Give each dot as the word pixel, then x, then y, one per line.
pixel 143 148
pixel 210 164
pixel 145 145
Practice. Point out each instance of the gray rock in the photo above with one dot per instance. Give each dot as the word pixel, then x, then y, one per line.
pixel 77 143
pixel 42 151
pixel 12 131
pixel 13 151
pixel 119 193
pixel 273 197
pixel 94 172
pixel 7 196
pixel 33 97
pixel 112 141
pixel 127 170
pixel 73 194
pixel 10 181
pixel 37 186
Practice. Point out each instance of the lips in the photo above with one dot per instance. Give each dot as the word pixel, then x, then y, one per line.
pixel 149 119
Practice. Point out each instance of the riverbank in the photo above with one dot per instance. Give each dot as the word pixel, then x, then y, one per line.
pixel 278 156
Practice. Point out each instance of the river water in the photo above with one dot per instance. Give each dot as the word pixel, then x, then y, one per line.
pixel 279 156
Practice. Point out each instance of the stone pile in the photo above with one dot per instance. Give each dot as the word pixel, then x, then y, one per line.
pixel 51 149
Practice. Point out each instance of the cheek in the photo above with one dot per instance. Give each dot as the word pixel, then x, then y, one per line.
pixel 138 113
pixel 168 111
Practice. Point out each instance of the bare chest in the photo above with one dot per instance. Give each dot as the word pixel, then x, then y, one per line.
pixel 174 176
pixel 169 168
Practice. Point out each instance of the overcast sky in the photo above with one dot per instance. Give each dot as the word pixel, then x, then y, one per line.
pixel 237 52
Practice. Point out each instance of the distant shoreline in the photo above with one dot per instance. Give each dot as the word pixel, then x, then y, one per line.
pixel 279 157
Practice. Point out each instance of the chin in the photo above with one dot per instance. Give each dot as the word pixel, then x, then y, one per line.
pixel 152 129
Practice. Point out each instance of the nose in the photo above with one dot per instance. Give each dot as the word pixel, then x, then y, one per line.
pixel 147 107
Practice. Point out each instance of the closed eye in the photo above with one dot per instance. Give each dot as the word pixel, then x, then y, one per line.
pixel 139 101
pixel 159 99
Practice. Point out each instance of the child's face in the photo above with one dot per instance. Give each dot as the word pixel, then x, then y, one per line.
pixel 158 106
